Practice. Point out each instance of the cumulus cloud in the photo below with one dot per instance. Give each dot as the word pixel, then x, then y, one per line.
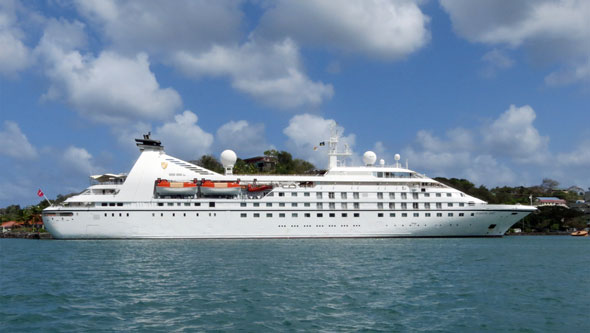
pixel 244 138
pixel 79 160
pixel 495 60
pixel 552 30
pixel 514 134
pixel 14 54
pixel 109 88
pixel 306 131
pixel 15 143
pixel 183 137
pixel 270 72
pixel 379 28
pixel 156 26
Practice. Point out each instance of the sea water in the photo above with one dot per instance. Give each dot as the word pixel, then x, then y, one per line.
pixel 508 284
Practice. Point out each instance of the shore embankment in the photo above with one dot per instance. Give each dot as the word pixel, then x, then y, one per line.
pixel 26 234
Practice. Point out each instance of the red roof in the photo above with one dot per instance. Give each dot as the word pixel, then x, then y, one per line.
pixel 9 224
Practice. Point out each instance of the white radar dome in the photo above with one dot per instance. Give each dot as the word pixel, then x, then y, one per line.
pixel 396 157
pixel 228 158
pixel 382 162
pixel 369 158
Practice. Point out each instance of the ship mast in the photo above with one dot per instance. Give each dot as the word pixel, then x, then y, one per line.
pixel 333 147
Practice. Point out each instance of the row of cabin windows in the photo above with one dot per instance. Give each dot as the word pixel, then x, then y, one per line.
pixel 425 214
pixel 196 204
pixel 111 204
pixel 355 205
pixel 282 215
pixel 356 195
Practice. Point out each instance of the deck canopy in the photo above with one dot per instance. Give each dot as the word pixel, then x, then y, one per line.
pixel 109 177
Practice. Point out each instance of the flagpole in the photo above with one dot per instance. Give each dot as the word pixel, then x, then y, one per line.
pixel 50 204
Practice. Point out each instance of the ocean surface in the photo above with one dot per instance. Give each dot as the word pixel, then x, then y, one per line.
pixel 523 284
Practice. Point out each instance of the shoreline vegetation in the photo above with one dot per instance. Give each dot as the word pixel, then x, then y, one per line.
pixel 548 220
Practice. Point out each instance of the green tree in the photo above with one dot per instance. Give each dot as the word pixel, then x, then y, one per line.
pixel 209 162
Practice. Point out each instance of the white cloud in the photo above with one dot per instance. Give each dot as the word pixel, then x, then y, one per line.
pixel 495 60
pixel 245 139
pixel 514 134
pixel 157 26
pixel 552 30
pixel 14 54
pixel 380 28
pixel 183 137
pixel 306 131
pixel 79 160
pixel 109 88
pixel 15 143
pixel 270 72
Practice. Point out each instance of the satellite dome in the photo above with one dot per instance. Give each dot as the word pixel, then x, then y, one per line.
pixel 369 158
pixel 382 162
pixel 396 157
pixel 228 158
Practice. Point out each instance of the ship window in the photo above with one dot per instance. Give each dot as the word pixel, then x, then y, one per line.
pixel 391 205
pixel 404 205
pixel 307 204
pixel 282 215
pixel 243 204
pixel 380 195
pixel 269 204
pixel 438 195
pixel 415 205
pixel 256 204
pixel 344 205
pixel 306 194
pixel 332 215
pixel 294 215
pixel 173 214
pixel 161 214
pixel 344 215
pixel 293 194
pixel 243 215
pixel 153 214
pixel 294 204
pixel 450 204
pixel 450 214
pixel 439 214
pixel 281 204
pixel 404 195
pixel 104 204
pixel 197 204
pixel 461 204
pixel 391 195
pixel 472 214
pixel 416 214
pixel 256 214
pixel 105 214
pixel 170 204
pixel 379 174
pixel 212 204
pixel 319 205
pixel 438 205
pixel 119 204
pixel 461 214
pixel 448 194
pixel 307 215
pixel 427 214
pixel 415 195
pixel 427 195
pixel 320 215
pixel 113 214
pixel 343 195
pixel 111 203
pixel 319 195
pixel 332 205
pixel 160 204
pixel 471 203
pixel 197 214
pixel 270 194
pixel 127 214
pixel 331 195
pixel 355 195
pixel 427 205
pixel 404 214
pixel 391 214
pixel 380 205
pixel 187 203
pixel 379 214
pixel 281 194
pixel 356 205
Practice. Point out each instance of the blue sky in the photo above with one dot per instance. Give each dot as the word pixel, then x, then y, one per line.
pixel 493 91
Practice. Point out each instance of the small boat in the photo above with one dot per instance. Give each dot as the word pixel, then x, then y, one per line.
pixel 259 188
pixel 167 188
pixel 581 233
pixel 218 189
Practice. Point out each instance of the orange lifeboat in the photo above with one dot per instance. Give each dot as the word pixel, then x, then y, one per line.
pixel 259 188
pixel 212 188
pixel 166 188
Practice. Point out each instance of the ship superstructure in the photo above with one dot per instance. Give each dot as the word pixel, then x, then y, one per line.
pixel 166 197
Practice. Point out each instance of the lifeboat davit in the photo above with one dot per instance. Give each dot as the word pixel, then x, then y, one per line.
pixel 259 188
pixel 165 188
pixel 211 188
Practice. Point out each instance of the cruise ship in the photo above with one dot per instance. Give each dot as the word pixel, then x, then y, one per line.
pixel 166 197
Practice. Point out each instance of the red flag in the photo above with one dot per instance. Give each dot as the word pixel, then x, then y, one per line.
pixel 40 193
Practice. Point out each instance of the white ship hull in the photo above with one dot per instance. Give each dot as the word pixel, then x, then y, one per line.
pixel 229 224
